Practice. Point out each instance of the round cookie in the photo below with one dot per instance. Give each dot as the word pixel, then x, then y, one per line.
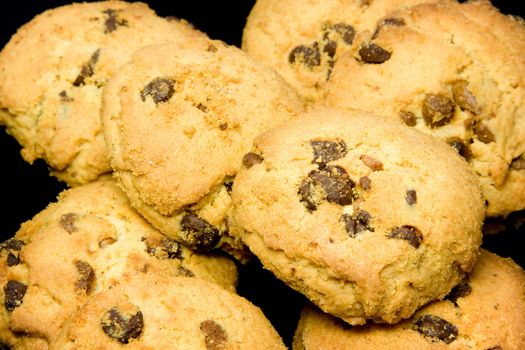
pixel 177 123
pixel 302 40
pixel 453 71
pixel 485 312
pixel 367 218
pixel 79 246
pixel 155 312
pixel 54 68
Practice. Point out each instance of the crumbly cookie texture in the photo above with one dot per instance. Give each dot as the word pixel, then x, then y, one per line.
pixel 154 312
pixel 177 123
pixel 81 245
pixel 303 39
pixel 54 68
pixel 453 71
pixel 486 311
pixel 367 218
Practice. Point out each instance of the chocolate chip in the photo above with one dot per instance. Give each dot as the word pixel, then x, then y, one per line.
pixel 67 221
pixel 215 336
pixel 357 223
pixel 371 162
pixel 64 97
pixel 112 22
pixel 331 184
pixel 228 185
pixel 388 22
pixel 327 151
pixel 250 159
pixel 483 133
pixel 461 290
pixel 87 70
pixel 346 31
pixel 436 328
pixel 409 233
pixel 185 272
pixel 461 147
pixel 160 89
pixel 464 98
pixel 365 182
pixel 372 53
pixel 14 292
pixel 223 126
pixel 167 248
pixel 411 197
pixel 200 234
pixel 437 110
pixel 201 107
pixel 307 55
pixel 408 118
pixel 329 47
pixel 518 163
pixel 13 247
pixel 87 276
pixel 121 326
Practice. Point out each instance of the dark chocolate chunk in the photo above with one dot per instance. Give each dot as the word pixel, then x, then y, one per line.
pixel 88 69
pixel 200 235
pixel 437 110
pixel 461 290
pixel 87 276
pixel 67 221
pixel 372 53
pixel 483 133
pixel 436 328
pixel 14 292
pixel 201 107
pixel 346 31
pixel 215 336
pixel 388 22
pixel 306 55
pixel 464 98
pixel 228 185
pixel 331 184
pixel 13 247
pixel 518 163
pixel 461 147
pixel 171 248
pixel 411 197
pixel 112 22
pixel 357 223
pixel 408 233
pixel 408 118
pixel 64 97
pixel 250 159
pixel 371 162
pixel 121 326
pixel 160 89
pixel 365 182
pixel 329 47
pixel 326 151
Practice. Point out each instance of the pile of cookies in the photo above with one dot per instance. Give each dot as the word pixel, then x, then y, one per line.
pixel 354 148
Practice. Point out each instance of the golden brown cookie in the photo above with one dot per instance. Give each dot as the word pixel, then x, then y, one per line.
pixel 54 68
pixel 484 312
pixel 83 244
pixel 177 123
pixel 367 218
pixel 454 71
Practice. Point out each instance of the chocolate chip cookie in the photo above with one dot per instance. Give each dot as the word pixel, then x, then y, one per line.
pixel 152 312
pixel 54 68
pixel 486 311
pixel 451 70
pixel 77 247
pixel 367 218
pixel 178 122
pixel 302 40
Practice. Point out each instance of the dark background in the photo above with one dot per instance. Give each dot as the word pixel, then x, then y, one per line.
pixel 27 189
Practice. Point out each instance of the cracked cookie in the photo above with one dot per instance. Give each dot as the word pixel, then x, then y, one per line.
pixel 454 71
pixel 367 218
pixel 79 246
pixel 177 123
pixel 302 40
pixel 152 312
pixel 486 311
pixel 54 68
